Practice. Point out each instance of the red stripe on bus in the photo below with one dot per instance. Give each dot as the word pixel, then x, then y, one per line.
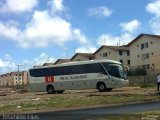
pixel 49 79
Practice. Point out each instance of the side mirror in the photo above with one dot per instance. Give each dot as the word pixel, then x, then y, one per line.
pixel 126 68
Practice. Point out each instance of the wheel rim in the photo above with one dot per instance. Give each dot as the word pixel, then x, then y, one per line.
pixel 101 87
pixel 50 90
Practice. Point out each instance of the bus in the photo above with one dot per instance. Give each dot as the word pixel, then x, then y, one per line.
pixel 103 75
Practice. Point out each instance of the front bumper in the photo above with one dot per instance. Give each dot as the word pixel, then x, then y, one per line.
pixel 125 82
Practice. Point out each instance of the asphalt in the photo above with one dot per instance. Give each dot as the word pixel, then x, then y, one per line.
pixel 83 114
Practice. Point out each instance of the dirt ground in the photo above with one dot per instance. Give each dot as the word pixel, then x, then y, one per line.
pixel 18 97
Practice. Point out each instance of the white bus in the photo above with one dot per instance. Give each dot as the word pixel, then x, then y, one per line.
pixel 103 75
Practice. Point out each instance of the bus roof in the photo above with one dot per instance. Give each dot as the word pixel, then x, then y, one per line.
pixel 80 63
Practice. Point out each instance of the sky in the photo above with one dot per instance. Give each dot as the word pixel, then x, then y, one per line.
pixel 33 32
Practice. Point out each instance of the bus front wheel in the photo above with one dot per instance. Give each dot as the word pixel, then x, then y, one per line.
pixel 50 89
pixel 101 87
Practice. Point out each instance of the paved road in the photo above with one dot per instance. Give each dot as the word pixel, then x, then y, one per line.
pixel 83 114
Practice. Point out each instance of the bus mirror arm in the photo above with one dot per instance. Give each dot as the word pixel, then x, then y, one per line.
pixel 109 77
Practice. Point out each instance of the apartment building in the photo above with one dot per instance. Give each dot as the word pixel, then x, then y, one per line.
pixel 14 78
pixel 145 52
pixel 60 61
pixel 118 53
pixel 82 57
pixel 2 80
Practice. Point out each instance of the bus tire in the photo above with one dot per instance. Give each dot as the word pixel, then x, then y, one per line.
pixel 101 86
pixel 50 89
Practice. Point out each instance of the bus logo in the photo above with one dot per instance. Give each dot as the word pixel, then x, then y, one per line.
pixel 49 79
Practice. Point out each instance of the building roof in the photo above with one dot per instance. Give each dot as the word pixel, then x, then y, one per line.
pixel 47 64
pixel 141 35
pixel 87 55
pixel 62 60
pixel 113 47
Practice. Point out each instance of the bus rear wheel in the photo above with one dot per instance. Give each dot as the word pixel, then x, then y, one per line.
pixel 101 87
pixel 50 89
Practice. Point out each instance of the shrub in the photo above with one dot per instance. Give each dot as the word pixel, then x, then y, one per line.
pixel 137 72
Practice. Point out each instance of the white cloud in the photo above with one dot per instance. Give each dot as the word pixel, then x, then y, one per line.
pixel 16 6
pixel 107 39
pixel 9 65
pixel 9 31
pixel 130 26
pixel 43 58
pixel 37 61
pixel 154 23
pixel 1 63
pixel 86 46
pixel 56 6
pixel 154 8
pixel 77 34
pixel 86 49
pixel 42 30
pixel 100 11
pixel 7 57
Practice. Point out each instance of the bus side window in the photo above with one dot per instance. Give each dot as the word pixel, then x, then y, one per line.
pixel 79 69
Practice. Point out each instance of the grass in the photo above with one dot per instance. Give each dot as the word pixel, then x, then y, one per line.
pixel 147 85
pixel 62 102
pixel 151 115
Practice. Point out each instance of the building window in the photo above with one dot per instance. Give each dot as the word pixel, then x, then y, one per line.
pixel 152 53
pixel 145 56
pixel 151 42
pixel 120 53
pixel 90 58
pixel 138 56
pixel 121 61
pixel 105 54
pixel 146 66
pixel 128 62
pixel 128 53
pixel 100 54
pixel 109 52
pixel 144 45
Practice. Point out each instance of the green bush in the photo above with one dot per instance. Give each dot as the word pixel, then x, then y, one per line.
pixel 147 85
pixel 137 72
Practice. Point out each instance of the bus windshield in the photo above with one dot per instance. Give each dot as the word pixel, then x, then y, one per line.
pixel 115 70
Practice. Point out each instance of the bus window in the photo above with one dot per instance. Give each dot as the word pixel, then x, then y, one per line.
pixel 115 70
pixel 67 70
